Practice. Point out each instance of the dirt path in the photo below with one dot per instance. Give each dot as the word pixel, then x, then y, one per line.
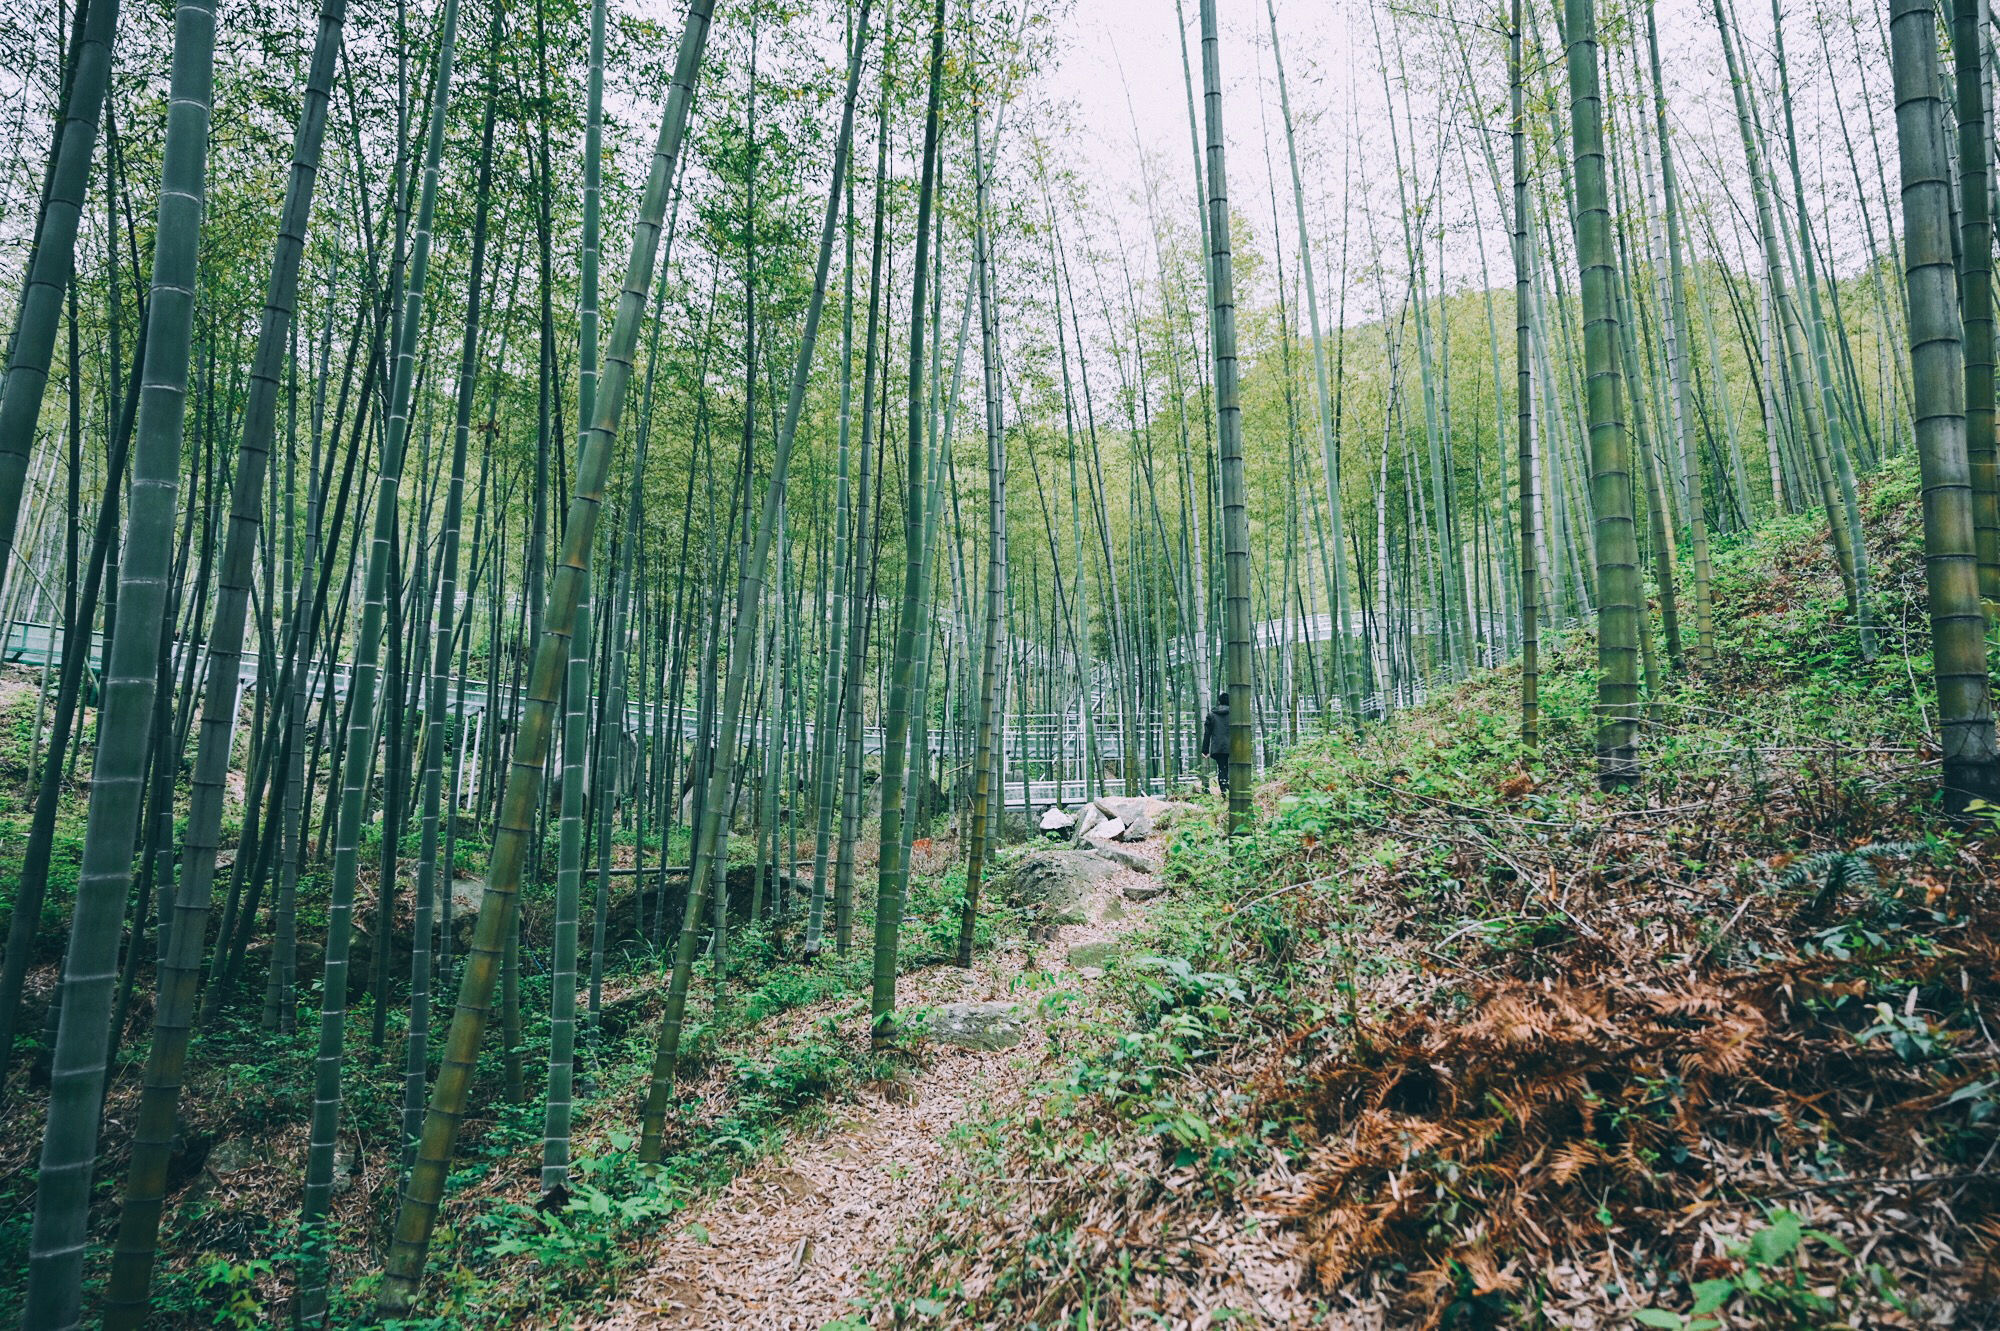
pixel 786 1246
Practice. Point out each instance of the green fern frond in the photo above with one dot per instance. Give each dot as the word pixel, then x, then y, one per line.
pixel 1835 871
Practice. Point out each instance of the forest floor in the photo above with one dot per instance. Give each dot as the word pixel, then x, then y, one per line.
pixel 1460 1040
pixel 786 1047
pixel 792 1244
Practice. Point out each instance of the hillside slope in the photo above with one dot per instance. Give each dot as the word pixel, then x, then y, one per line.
pixel 1456 1041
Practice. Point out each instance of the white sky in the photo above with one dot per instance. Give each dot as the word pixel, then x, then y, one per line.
pixel 1120 62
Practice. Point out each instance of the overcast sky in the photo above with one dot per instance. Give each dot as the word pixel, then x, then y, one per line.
pixel 1120 67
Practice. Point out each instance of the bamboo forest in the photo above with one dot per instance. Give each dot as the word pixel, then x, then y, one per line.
pixel 838 664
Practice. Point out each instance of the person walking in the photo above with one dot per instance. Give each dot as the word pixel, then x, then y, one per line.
pixel 1215 739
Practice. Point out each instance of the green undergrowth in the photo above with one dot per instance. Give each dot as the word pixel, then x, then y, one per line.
pixel 745 1087
pixel 502 1252
pixel 1444 1029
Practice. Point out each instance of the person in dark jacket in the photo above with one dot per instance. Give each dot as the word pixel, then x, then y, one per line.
pixel 1215 739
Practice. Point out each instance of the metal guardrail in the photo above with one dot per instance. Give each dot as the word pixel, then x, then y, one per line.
pixel 1044 754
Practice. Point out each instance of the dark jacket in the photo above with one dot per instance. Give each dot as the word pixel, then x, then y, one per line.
pixel 1215 732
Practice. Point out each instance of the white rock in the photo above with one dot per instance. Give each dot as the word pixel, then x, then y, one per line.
pixel 1057 820
pixel 1131 807
pixel 1105 832
pixel 989 1026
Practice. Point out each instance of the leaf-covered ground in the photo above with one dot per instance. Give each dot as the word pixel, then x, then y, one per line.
pixel 785 1044
pixel 1456 1040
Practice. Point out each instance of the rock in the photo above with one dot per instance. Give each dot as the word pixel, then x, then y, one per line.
pixel 1093 954
pixel 343 1168
pixel 1105 832
pixel 991 1026
pixel 1131 809
pixel 466 894
pixel 233 1155
pixel 1125 859
pixel 1144 891
pixel 1055 819
pixel 1052 879
pixel 1127 808
pixel 738 811
pixel 1138 829
pixel 1089 818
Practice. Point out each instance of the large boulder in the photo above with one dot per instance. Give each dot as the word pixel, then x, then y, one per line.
pixel 233 1155
pixel 1125 859
pixel 1087 817
pixel 1054 880
pixel 1100 954
pixel 1138 829
pixel 990 1026
pixel 466 894
pixel 1056 819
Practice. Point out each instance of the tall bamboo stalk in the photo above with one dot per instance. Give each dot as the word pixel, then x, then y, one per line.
pixel 866 520
pixel 576 703
pixel 1616 540
pixel 892 879
pixel 1524 397
pixel 1679 338
pixel 1229 433
pixel 1804 383
pixel 831 714
pixel 985 757
pixel 362 718
pixel 1975 229
pixel 1840 452
pixel 416 1072
pixel 1937 356
pixel 557 1105
pixel 53 1298
pixel 180 961
pixel 52 263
